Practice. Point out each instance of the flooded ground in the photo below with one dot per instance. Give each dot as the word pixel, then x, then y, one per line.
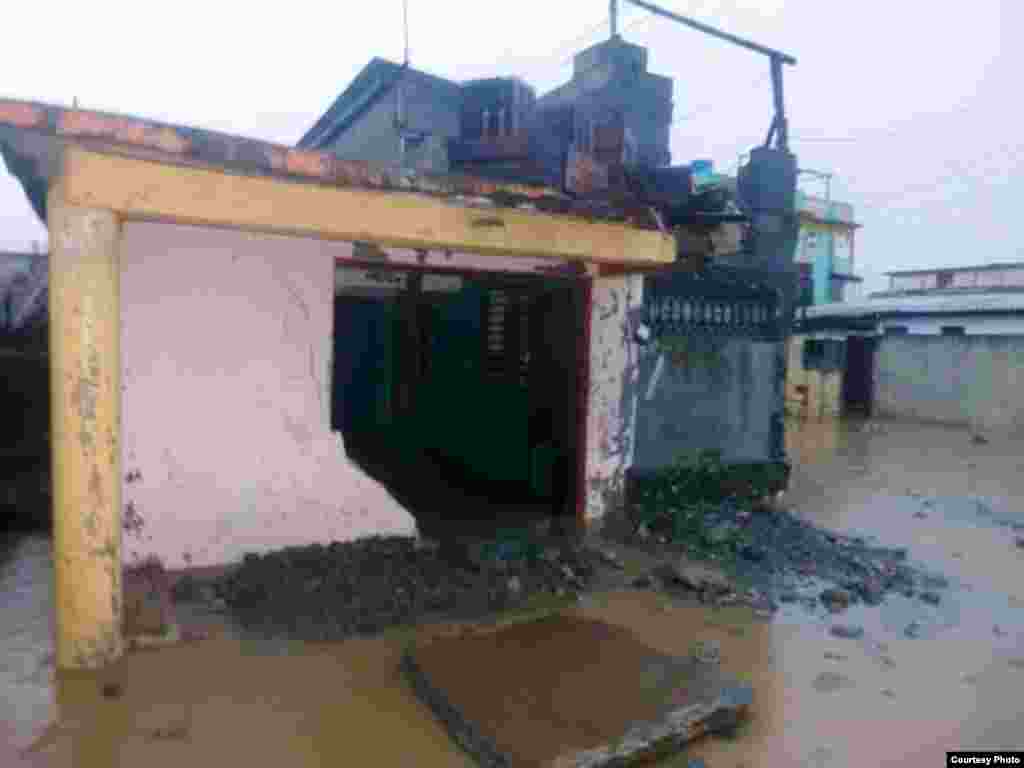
pixel 883 699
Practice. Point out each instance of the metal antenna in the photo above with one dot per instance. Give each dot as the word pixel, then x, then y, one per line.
pixel 405 25
pixel 613 13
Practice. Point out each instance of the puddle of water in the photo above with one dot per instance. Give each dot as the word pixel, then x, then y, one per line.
pixel 882 699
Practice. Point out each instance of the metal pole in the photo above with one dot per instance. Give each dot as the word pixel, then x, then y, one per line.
pixel 405 27
pixel 749 44
pixel 613 12
pixel 781 128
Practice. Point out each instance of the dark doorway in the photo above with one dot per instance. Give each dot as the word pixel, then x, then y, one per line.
pixel 858 381
pixel 458 392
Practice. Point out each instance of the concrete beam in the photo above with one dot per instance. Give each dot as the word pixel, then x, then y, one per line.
pixel 141 189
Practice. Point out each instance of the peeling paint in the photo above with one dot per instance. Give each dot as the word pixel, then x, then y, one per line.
pixel 132 521
pixel 614 384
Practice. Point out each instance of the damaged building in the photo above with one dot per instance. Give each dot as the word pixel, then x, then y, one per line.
pixel 573 390
pixel 491 308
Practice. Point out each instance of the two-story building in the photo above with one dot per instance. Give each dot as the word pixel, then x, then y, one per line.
pixel 825 254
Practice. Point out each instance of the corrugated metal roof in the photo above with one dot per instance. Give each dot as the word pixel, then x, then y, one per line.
pixel 976 268
pixel 923 305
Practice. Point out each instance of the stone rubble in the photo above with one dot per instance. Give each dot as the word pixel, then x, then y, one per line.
pixel 343 589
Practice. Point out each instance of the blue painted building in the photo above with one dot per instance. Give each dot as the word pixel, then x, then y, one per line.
pixel 825 250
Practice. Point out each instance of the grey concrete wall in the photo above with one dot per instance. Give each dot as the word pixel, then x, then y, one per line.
pixel 429 105
pixel 372 137
pixel 722 396
pixel 968 380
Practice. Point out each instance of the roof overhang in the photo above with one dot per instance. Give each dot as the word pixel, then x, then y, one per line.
pixel 831 222
pixel 152 171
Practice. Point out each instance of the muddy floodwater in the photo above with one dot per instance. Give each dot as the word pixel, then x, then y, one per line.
pixel 922 679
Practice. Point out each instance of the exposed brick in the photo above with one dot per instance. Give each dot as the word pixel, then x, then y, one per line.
pixel 277 157
pixel 163 142
pixel 122 130
pixel 21 115
pixel 169 140
pixel 315 164
pixel 356 172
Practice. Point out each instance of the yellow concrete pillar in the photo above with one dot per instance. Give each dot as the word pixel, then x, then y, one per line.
pixel 85 392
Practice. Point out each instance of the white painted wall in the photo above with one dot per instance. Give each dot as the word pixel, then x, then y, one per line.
pixel 226 350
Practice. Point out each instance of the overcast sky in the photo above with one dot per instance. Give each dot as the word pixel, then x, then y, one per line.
pixel 908 103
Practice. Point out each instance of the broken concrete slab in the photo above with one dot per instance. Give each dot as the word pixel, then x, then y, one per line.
pixel 568 692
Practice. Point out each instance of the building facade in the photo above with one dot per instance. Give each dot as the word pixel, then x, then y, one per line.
pixel 605 131
pixel 951 356
pixel 982 278
pixel 391 115
pixel 825 254
pixel 612 110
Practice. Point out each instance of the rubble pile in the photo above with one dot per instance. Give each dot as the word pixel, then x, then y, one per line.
pixel 343 589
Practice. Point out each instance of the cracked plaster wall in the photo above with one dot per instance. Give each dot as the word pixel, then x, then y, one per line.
pixel 614 375
pixel 226 359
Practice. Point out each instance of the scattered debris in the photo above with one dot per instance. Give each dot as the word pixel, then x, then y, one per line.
pixel 700 577
pixel 836 600
pixel 889 693
pixel 828 682
pixel 914 630
pixel 870 589
pixel 931 597
pixel 979 439
pixel 847 631
pixel 643 581
pixel 934 581
pixel 834 656
pixel 998 631
pixel 364 586
pixel 111 690
pixel 611 559
pixel 1019 541
pixel 707 651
